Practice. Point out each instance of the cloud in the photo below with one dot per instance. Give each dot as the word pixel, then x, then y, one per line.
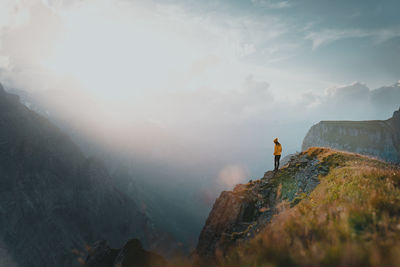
pixel 309 99
pixel 210 77
pixel 327 36
pixel 355 90
pixel 59 4
pixel 14 13
pixel 354 101
pixel 4 62
pixel 272 4
pixel 210 106
pixel 231 175
pixel 113 39
pixel 247 49
pixel 386 97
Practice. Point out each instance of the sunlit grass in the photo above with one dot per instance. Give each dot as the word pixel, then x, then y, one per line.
pixel 352 218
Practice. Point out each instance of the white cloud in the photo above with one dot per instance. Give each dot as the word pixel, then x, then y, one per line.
pixel 324 37
pixel 328 36
pixel 4 62
pixel 355 90
pixel 272 4
pixel 247 49
pixel 116 40
pixel 14 13
pixel 354 101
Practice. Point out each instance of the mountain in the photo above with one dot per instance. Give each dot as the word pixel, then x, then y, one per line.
pixel 53 199
pixel 146 162
pixel 131 254
pixel 240 214
pixel 323 208
pixel 374 138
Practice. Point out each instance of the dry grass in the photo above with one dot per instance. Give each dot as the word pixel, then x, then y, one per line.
pixel 352 218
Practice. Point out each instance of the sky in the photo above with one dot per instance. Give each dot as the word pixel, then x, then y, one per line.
pixel 226 76
pixel 190 94
pixel 294 46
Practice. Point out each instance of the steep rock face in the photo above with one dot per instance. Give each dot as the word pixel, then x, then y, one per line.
pixel 53 199
pixel 374 138
pixel 240 214
pixel 350 218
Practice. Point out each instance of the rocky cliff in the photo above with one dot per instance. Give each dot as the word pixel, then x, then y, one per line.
pixel 374 138
pixel 324 208
pixel 239 215
pixel 52 198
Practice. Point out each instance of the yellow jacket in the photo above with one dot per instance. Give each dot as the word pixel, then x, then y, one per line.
pixel 278 149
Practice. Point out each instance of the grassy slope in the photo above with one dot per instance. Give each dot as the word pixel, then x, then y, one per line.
pixel 352 218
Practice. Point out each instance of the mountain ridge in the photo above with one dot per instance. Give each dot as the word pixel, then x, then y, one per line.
pixel 53 199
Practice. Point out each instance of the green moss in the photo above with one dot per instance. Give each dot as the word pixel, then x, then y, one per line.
pixel 236 235
pixel 297 199
pixel 285 181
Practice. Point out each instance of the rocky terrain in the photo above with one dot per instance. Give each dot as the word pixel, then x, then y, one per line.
pixel 324 208
pixel 374 138
pixel 240 214
pixel 53 199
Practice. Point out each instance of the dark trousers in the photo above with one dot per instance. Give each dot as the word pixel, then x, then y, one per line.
pixel 277 158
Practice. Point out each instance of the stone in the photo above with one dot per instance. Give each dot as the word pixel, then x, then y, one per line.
pixel 238 215
pixel 379 139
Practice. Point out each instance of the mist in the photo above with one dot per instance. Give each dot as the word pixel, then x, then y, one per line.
pixel 172 99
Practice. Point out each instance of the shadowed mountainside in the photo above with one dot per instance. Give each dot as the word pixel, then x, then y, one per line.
pixel 146 163
pixel 53 199
pixel 131 254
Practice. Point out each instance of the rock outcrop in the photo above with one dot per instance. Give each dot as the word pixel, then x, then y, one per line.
pixel 131 254
pixel 325 208
pixel 239 215
pixel 379 139
pixel 52 198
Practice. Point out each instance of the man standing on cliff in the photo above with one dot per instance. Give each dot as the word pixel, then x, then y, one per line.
pixel 277 153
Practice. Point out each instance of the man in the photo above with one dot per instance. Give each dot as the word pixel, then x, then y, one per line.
pixel 277 153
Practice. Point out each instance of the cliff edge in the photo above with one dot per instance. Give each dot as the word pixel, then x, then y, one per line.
pixel 240 214
pixel 324 208
pixel 380 139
